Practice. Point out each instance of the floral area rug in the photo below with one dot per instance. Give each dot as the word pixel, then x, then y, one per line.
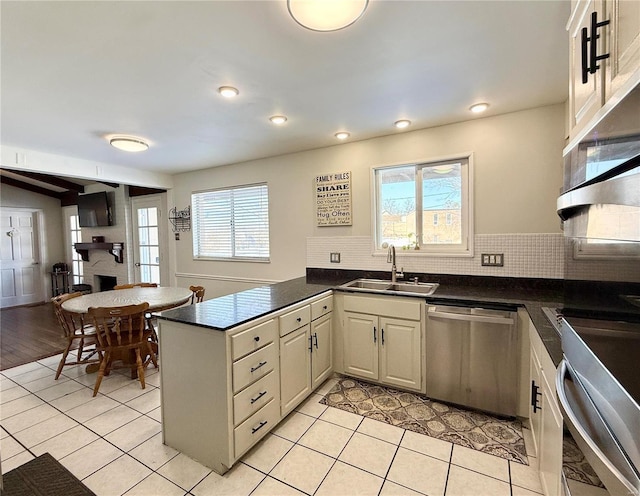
pixel 472 429
pixel 574 464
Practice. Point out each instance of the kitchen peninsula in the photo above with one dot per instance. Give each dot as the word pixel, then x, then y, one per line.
pixel 227 363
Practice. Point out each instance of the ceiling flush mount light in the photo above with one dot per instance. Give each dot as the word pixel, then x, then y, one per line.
pixel 326 15
pixel 401 124
pixel 278 119
pixel 129 143
pixel 342 135
pixel 228 91
pixel 479 108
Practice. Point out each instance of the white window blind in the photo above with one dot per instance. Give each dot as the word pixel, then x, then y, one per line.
pixel 231 223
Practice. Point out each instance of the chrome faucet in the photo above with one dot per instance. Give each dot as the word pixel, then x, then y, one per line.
pixel 391 258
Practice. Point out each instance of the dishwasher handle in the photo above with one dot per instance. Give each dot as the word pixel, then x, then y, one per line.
pixel 488 319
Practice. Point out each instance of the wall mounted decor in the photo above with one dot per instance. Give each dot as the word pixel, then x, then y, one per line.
pixel 180 219
pixel 333 199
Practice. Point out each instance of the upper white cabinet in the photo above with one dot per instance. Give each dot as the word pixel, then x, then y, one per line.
pixel 382 340
pixel 604 57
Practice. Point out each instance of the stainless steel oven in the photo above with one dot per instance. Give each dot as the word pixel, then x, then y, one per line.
pixel 598 387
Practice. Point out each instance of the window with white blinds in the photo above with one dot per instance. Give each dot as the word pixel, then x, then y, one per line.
pixel 231 223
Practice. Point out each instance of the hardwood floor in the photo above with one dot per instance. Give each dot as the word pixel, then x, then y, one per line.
pixel 28 333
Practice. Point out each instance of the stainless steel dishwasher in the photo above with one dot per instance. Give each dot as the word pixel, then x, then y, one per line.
pixel 473 357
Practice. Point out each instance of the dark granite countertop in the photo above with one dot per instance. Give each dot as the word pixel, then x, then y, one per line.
pixel 226 312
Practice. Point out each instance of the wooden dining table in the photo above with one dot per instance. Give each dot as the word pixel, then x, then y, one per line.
pixel 158 298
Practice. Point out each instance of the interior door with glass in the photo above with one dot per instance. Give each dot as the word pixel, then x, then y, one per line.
pixel 148 234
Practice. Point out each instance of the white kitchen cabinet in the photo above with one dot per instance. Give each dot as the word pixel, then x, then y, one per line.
pixel 221 390
pixel 322 350
pixel 623 44
pixel 585 98
pixel 617 74
pixel 295 363
pixel 384 344
pixel 305 352
pixel 545 418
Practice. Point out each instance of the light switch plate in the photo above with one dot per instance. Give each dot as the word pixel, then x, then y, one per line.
pixel 492 259
pixel 335 257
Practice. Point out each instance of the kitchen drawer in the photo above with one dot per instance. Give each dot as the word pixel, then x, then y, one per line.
pixel 294 319
pixel 321 307
pixel 255 427
pixel 254 366
pixel 253 339
pixel 247 402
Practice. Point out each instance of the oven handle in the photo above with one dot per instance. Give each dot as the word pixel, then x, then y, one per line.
pixel 573 421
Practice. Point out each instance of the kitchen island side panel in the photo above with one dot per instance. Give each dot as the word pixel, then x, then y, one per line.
pixel 195 380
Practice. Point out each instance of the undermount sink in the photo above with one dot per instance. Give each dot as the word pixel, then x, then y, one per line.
pixel 381 286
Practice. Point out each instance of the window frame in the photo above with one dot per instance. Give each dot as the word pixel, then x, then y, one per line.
pixel 233 258
pixel 466 248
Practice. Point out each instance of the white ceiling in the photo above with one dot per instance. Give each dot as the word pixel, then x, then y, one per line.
pixel 74 72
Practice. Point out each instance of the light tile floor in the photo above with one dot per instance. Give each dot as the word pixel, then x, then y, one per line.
pixel 113 443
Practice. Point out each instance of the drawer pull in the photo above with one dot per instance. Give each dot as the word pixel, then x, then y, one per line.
pixel 256 339
pixel 260 426
pixel 299 319
pixel 261 364
pixel 253 400
pixel 324 307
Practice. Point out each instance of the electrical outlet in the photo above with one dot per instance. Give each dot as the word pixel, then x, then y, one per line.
pixel 492 259
pixel 335 257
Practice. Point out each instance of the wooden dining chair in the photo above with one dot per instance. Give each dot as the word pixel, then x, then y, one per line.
pixel 197 294
pixel 76 332
pixel 122 333
pixel 136 285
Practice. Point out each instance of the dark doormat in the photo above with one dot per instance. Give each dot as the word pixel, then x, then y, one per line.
pixel 472 429
pixel 43 476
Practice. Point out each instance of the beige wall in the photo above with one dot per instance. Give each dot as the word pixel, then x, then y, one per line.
pixel 518 174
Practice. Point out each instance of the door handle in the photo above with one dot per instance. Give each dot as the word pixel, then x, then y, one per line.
pixel 382 335
pixel 315 336
pixel 593 52
pixel 137 264
pixel 375 337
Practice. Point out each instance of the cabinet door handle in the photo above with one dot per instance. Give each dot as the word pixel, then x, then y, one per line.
pixel 261 364
pixel 259 426
pixel 382 335
pixel 311 344
pixel 253 400
pixel 593 52
pixel 375 337
pixel 315 336
pixel 585 55
pixel 534 397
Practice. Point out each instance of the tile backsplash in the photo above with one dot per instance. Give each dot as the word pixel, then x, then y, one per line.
pixel 545 255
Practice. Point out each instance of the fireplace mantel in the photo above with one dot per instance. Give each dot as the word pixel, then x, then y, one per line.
pixel 114 248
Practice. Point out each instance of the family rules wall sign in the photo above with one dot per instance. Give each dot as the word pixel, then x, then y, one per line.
pixel 333 199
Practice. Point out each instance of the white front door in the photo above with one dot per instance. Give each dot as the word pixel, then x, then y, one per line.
pixel 149 235
pixel 21 275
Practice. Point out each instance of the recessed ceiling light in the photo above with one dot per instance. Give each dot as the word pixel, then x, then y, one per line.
pixel 228 91
pixel 342 135
pixel 324 15
pixel 401 124
pixel 278 119
pixel 479 107
pixel 129 143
